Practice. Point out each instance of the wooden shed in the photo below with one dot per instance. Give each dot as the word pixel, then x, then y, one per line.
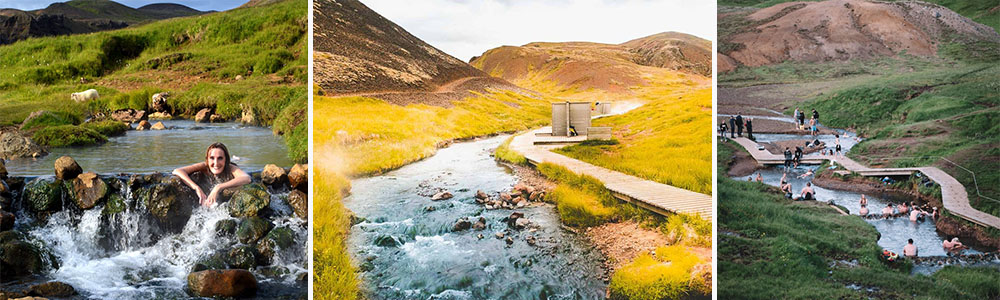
pixel 566 114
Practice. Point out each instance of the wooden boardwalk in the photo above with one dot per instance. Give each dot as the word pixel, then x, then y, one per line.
pixel 657 197
pixel 953 193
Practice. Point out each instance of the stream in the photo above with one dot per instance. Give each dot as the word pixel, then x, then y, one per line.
pixel 409 252
pixel 183 143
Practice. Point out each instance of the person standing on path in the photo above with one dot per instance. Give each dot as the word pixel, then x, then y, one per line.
pixel 788 158
pixel 750 129
pixel 838 152
pixel 815 115
pixel 812 126
pixel 722 131
pixel 802 118
pixel 739 124
pixel 798 155
pixel 732 127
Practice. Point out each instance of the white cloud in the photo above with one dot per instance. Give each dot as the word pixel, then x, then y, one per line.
pixel 466 28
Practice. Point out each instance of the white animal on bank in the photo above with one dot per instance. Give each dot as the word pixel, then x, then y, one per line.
pixel 83 96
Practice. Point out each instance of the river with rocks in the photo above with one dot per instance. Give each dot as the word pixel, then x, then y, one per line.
pixel 124 231
pixel 413 247
pixel 182 143
pixel 895 231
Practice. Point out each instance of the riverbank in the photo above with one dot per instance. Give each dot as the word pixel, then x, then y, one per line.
pixel 771 247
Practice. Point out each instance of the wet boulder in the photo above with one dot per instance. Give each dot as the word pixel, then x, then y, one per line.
pixel 19 258
pixel 481 196
pixel 88 190
pixel 6 220
pixel 67 168
pixel 513 219
pixel 216 261
pixel 299 203
pixel 52 289
pixel 273 175
pixel 279 238
pixel 3 171
pixel 445 195
pixel 158 126
pixel 480 224
pixel 171 204
pixel 387 241
pixel 242 257
pixel 14 144
pixel 222 283
pixel 252 229
pixel 115 204
pixel 225 228
pixel 298 177
pixel 461 224
pixel 42 195
pixel 143 125
pixel 160 116
pixel 249 200
pixel 203 115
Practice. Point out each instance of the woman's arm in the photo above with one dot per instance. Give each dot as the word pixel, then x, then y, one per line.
pixel 184 174
pixel 239 178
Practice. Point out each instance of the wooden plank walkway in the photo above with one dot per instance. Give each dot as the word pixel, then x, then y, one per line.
pixel 657 197
pixel 953 193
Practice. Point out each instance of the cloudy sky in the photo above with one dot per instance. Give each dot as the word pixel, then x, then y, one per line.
pixel 202 5
pixel 466 28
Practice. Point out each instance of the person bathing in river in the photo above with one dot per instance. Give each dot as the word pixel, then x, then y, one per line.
pixel 864 201
pixel 218 169
pixel 760 178
pixel 864 210
pixel 953 246
pixel 917 215
pixel 887 211
pixel 786 188
pixel 808 173
pixel 903 208
pixel 910 250
pixel 807 192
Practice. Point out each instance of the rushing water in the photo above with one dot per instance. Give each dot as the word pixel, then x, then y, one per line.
pixel 149 151
pixel 123 256
pixel 429 261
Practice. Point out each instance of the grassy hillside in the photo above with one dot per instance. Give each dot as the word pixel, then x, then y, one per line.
pixel 196 59
pixel 774 248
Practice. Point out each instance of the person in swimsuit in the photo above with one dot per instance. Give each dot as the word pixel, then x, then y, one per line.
pixel 903 208
pixel 838 152
pixel 807 192
pixel 786 188
pixel 887 211
pixel 864 201
pixel 864 210
pixel 917 215
pixel 218 171
pixel 807 174
pixel 812 126
pixel 910 250
pixel 760 178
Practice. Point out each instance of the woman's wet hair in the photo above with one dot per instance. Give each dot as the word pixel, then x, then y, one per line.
pixel 218 145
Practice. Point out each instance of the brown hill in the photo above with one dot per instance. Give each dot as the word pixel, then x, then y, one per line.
pixel 838 30
pixel 359 52
pixel 613 68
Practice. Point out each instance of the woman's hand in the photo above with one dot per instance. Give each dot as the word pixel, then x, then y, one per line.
pixel 212 197
pixel 201 196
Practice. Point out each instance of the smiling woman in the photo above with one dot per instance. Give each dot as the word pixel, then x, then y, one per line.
pixel 220 174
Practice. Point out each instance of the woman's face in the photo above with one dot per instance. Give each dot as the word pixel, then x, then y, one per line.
pixel 216 161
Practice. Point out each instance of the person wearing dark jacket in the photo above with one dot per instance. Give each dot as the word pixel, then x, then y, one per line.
pixel 739 124
pixel 788 158
pixel 732 127
pixel 750 129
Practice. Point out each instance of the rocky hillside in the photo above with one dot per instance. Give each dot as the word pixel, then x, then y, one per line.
pixel 841 30
pixel 359 52
pixel 609 67
pixel 82 16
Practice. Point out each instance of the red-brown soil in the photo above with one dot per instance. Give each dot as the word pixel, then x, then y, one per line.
pixel 841 30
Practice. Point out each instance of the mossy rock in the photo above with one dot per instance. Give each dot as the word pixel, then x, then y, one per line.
pixel 67 136
pixel 107 127
pixel 249 200
pixel 20 258
pixel 171 204
pixel 114 205
pixel 242 257
pixel 43 195
pixel 216 261
pixel 42 119
pixel 225 228
pixel 279 238
pixel 10 235
pixel 252 229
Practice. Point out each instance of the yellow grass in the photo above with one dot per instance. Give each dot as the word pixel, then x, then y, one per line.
pixel 667 276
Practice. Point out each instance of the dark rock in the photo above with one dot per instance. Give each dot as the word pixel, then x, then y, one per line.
pixel 249 200
pixel 203 115
pixel 171 204
pixel 42 195
pixel 509 241
pixel 3 170
pixel 480 225
pixel 299 203
pixel 143 125
pixel 116 204
pixel 441 196
pixel 430 208
pixel 225 227
pixel 67 168
pixel 216 118
pixel 9 236
pixel 387 241
pixel 242 257
pixel 6 220
pixel 128 115
pixel 461 224
pixel 222 283
pixel 512 219
pixel 530 239
pixel 88 190
pixel 298 177
pixel 52 289
pixel 279 238
pixel 18 258
pixel 252 229
pixel 215 262
pixel 273 175
pixel 481 196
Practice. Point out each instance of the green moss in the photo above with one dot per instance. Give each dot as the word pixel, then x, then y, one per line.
pixel 52 118
pixel 107 127
pixel 67 136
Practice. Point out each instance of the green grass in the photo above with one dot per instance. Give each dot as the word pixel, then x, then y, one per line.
pixel 504 153
pixel 196 59
pixel 107 127
pixel 783 249
pixel 51 118
pixel 67 136
pixel 667 276
pixel 334 275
